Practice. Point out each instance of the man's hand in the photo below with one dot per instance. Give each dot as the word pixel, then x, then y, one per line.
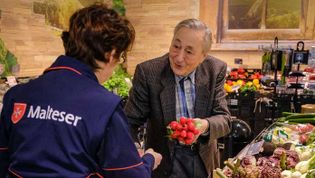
pixel 157 157
pixel 204 125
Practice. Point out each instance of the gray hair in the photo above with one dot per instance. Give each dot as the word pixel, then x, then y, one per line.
pixel 196 24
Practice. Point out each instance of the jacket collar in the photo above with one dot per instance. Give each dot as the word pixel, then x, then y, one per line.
pixel 167 95
pixel 70 62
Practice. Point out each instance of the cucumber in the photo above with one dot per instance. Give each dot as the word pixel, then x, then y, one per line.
pixel 302 120
pixel 297 116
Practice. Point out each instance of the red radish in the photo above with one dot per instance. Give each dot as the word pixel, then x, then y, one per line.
pixel 189 120
pixel 191 126
pixel 173 125
pixel 183 133
pixel 177 133
pixel 196 132
pixel 182 120
pixel 185 126
pixel 189 141
pixel 190 135
pixel 185 130
pixel 179 127
pixel 181 139
pixel 174 135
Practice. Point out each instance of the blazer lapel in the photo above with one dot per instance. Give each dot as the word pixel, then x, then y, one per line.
pixel 202 93
pixel 167 95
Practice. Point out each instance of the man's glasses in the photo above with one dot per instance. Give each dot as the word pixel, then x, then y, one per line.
pixel 122 57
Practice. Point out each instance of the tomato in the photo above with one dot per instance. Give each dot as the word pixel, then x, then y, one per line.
pixel 303 138
pixel 241 70
pixel 253 76
pixel 229 82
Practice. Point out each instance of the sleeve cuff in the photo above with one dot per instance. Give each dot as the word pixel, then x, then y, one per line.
pixel 149 158
pixel 207 133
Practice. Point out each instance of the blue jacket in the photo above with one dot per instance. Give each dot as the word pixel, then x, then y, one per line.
pixel 65 124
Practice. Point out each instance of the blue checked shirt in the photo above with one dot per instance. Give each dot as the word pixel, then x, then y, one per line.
pixel 185 96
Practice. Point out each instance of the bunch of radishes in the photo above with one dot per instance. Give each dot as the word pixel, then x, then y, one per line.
pixel 185 130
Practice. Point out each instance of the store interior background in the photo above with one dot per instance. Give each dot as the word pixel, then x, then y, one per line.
pixel 36 44
pixel 35 41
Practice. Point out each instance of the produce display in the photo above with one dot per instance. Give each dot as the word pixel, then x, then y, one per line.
pixel 286 149
pixel 119 83
pixel 241 86
pixel 239 80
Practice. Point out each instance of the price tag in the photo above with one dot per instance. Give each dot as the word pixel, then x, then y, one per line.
pixel 11 81
pixel 243 152
pixel 255 148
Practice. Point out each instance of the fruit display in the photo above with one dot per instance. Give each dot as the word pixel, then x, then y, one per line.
pixel 286 149
pixel 184 131
pixel 241 86
pixel 241 73
pixel 240 80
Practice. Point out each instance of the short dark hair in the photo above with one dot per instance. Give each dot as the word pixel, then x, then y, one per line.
pixel 95 30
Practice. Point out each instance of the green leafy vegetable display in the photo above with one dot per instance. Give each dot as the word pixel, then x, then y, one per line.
pixel 7 60
pixel 117 83
pixel 118 6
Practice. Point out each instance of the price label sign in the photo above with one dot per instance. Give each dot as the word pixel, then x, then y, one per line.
pixel 255 148
pixel 11 81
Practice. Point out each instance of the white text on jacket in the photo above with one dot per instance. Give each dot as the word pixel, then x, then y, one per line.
pixel 50 114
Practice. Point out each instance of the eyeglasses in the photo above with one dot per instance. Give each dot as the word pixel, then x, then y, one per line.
pixel 122 57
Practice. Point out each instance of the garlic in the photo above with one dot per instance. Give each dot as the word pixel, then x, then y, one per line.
pixel 286 174
pixel 296 174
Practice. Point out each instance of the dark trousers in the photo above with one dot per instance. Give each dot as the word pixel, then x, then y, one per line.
pixel 187 163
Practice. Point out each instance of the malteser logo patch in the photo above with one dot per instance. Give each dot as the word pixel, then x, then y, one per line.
pixel 18 112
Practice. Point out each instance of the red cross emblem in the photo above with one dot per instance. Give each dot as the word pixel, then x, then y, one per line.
pixel 18 112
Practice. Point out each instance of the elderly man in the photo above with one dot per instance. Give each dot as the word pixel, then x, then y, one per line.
pixel 185 82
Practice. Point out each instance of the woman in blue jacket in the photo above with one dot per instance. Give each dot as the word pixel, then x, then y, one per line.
pixel 64 123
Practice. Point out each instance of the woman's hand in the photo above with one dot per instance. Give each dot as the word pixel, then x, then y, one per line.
pixel 157 157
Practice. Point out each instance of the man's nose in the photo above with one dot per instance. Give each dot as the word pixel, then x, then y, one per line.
pixel 180 56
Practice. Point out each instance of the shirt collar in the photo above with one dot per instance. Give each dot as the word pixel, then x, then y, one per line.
pixel 190 76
